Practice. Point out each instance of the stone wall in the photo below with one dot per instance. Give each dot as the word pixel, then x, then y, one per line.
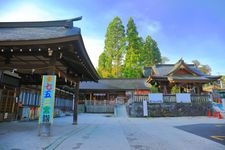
pixel 169 109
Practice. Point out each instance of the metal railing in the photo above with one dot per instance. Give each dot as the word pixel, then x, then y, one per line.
pixel 200 98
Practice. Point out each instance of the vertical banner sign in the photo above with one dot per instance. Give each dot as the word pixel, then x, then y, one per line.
pixel 47 99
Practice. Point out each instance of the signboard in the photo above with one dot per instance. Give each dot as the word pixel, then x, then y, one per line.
pixel 183 97
pixel 145 108
pixel 47 99
pixel 155 97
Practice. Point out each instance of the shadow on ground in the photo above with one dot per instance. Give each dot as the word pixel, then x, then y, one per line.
pixel 214 132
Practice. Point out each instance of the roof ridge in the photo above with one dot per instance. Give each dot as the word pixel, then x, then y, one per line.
pixel 68 23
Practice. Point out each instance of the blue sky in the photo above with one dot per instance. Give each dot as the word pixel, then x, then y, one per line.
pixel 188 29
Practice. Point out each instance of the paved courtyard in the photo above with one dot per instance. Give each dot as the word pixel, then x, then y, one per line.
pixel 106 132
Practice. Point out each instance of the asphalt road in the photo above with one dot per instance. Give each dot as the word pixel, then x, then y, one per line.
pixel 215 132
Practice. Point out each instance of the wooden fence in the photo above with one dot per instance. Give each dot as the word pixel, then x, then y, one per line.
pixel 95 106
pixel 171 98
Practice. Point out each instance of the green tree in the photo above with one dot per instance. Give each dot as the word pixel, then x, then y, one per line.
pixel 204 68
pixel 146 53
pixel 110 61
pixel 154 89
pixel 164 59
pixel 132 66
pixel 156 54
pixel 175 89
pixel 150 54
pixel 102 69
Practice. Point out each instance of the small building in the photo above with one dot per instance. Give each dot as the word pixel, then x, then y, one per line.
pixel 110 89
pixel 187 77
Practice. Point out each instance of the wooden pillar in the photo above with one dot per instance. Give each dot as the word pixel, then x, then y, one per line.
pixel 90 95
pixel 75 112
pixel 1 104
pixel 107 95
pixel 164 89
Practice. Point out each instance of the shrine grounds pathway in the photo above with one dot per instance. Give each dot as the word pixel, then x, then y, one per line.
pixel 107 132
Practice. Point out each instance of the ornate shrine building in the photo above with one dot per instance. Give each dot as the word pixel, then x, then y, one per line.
pixel 187 77
pixel 29 50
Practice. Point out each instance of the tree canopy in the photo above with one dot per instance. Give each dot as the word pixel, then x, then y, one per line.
pixel 132 68
pixel 204 68
pixel 125 54
pixel 110 61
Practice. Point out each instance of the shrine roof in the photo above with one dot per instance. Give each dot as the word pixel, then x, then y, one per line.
pixel 13 31
pixel 168 71
pixel 115 84
pixel 30 47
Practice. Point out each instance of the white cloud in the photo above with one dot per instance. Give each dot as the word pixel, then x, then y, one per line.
pixel 149 27
pixel 94 48
pixel 154 27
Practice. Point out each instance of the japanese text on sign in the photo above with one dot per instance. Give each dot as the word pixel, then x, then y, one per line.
pixel 47 99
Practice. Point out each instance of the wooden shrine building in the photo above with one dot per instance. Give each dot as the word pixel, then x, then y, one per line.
pixel 187 77
pixel 29 50
pixel 111 89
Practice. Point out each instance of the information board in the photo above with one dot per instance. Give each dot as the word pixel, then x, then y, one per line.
pixel 155 97
pixel 183 97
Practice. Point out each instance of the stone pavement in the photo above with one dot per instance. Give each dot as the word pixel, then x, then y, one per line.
pixel 106 132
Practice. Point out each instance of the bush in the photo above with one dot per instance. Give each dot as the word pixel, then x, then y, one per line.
pixel 175 89
pixel 154 89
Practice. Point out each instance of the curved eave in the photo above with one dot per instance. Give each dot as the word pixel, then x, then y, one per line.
pixel 55 23
pixel 190 81
pixel 58 40
pixel 85 54
pixel 157 78
pixel 213 77
pixel 39 41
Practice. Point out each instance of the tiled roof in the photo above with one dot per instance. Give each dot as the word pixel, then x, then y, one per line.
pixel 165 69
pixel 13 31
pixel 115 84
pixel 41 38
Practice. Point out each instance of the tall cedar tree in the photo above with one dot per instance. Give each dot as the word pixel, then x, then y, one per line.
pixel 150 54
pixel 132 66
pixel 110 61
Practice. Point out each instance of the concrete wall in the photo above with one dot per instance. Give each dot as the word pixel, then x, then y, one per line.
pixel 169 109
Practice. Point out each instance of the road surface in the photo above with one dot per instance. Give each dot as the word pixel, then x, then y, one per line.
pixel 106 132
